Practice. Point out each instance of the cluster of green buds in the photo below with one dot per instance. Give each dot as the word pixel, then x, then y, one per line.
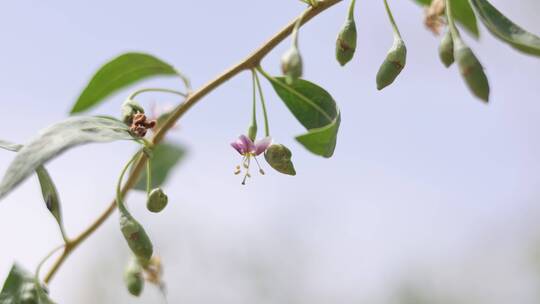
pixel 135 235
pixel 452 47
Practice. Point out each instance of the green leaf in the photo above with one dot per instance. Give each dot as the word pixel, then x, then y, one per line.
pixel 58 138
pixel 21 287
pixel 10 146
pixel 165 157
pixel 315 109
pixel 48 189
pixel 117 74
pixel 463 13
pixel 506 30
pixel 50 196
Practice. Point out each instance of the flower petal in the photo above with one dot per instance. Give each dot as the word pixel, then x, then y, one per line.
pixel 262 144
pixel 238 146
pixel 249 147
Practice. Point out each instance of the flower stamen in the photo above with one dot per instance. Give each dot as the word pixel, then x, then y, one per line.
pixel 261 171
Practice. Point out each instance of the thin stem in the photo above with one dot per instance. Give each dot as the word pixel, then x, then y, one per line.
pixel 263 103
pixel 138 92
pixel 57 264
pixel 38 268
pixel 119 200
pixel 392 21
pixel 297 26
pixel 186 81
pixel 63 232
pixel 254 107
pixel 451 24
pixel 294 92
pixel 148 176
pixel 252 61
pixel 351 9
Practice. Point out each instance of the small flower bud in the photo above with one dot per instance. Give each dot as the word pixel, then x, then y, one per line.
pixel 346 42
pixel 129 109
pixel 133 277
pixel 291 64
pixel 279 157
pixel 446 50
pixel 252 132
pixel 157 200
pixel 392 65
pixel 472 71
pixel 137 239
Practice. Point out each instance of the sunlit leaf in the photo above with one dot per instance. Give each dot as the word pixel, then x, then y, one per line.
pixel 57 139
pixel 506 30
pixel 165 157
pixel 315 109
pixel 122 71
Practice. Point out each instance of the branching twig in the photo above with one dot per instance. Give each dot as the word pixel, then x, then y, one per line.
pixel 251 62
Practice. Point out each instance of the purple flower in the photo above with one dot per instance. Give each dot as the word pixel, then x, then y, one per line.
pixel 245 146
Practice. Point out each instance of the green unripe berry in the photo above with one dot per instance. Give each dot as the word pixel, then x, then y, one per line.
pixel 279 157
pixel 137 239
pixel 472 71
pixel 130 108
pixel 346 42
pixel 446 50
pixel 291 65
pixel 133 277
pixel 157 200
pixel 392 65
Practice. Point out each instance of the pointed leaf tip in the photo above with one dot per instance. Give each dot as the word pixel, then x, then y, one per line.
pixel 119 73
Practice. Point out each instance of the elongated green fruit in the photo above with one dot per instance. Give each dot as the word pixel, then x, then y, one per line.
pixel 471 70
pixel 393 64
pixel 279 157
pixel 136 237
pixel 157 200
pixel 446 49
pixel 133 277
pixel 346 42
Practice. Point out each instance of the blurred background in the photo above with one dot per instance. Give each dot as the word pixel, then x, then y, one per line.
pixel 431 196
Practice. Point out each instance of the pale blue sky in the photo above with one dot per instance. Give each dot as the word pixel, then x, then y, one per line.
pixel 426 180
